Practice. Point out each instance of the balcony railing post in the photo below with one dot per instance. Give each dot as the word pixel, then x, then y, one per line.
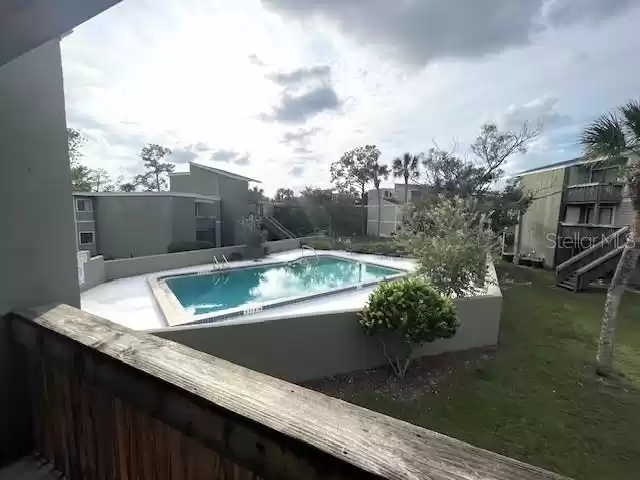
pixel 596 210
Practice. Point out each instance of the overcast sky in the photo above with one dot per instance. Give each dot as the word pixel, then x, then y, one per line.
pixel 278 89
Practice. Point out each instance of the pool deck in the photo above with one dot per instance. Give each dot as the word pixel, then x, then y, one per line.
pixel 130 302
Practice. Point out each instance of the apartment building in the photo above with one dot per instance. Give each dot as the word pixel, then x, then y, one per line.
pixel 391 208
pixel 231 190
pixel 133 224
pixel 578 220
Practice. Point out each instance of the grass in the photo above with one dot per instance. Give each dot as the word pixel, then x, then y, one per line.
pixel 538 400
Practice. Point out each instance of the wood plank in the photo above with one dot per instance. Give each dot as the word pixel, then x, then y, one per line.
pixel 270 426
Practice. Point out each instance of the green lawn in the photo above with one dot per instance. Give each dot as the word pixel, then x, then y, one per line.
pixel 538 399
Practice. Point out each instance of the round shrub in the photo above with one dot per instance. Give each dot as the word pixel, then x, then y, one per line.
pixel 412 308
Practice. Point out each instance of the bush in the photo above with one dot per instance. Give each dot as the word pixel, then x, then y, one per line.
pixel 186 246
pixel 405 314
pixel 451 241
pixel 249 231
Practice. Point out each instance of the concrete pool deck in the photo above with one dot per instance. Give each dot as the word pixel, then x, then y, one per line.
pixel 130 302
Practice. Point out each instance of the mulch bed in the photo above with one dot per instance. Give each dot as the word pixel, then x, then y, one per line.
pixel 425 375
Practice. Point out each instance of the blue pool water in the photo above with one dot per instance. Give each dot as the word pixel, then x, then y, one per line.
pixel 200 294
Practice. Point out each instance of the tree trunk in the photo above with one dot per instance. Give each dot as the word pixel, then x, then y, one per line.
pixel 379 209
pixel 406 189
pixel 624 272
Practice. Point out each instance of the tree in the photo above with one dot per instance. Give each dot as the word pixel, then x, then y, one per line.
pixel 81 178
pixel 407 167
pixel 353 172
pixel 283 194
pixel 450 240
pixel 407 313
pixel 154 179
pixel 257 191
pixel 610 137
pixel 379 173
pixel 80 174
pixel 127 187
pixel 75 140
pixel 449 175
pixel 101 181
pixel 493 147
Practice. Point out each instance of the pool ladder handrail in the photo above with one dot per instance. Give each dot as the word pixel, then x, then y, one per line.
pixel 226 262
pixel 216 263
pixel 309 247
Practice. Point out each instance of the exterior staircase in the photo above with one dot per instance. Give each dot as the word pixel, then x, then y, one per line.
pixel 279 231
pixel 595 262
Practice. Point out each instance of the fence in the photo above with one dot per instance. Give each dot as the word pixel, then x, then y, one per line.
pixel 96 270
pixel 100 401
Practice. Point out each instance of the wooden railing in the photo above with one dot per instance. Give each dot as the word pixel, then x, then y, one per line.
pixel 593 193
pixel 108 402
pixel 590 242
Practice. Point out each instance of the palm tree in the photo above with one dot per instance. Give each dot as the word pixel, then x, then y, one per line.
pixel 407 167
pixel 379 173
pixel 612 136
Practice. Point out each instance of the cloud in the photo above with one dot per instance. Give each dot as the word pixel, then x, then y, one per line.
pixel 297 170
pixel 231 156
pixel 182 155
pixel 568 12
pixel 539 110
pixel 423 30
pixel 300 137
pixel 255 60
pixel 301 75
pixel 300 108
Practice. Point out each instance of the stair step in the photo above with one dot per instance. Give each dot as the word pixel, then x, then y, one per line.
pixel 567 286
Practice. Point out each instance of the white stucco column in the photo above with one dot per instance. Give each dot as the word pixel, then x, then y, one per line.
pixel 37 228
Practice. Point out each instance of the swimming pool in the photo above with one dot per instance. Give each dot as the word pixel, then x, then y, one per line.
pixel 248 289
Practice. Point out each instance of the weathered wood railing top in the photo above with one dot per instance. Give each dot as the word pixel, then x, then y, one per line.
pixel 266 426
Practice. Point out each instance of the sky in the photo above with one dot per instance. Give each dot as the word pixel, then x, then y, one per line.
pixel 279 89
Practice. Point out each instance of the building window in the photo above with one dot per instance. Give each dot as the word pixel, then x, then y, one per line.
pixel 86 238
pixel 598 176
pixel 606 216
pixel 83 205
pixel 387 194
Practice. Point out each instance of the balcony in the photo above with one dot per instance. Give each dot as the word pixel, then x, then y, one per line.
pixel 96 400
pixel 593 193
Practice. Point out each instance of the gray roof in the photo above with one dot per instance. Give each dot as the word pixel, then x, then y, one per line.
pixel 554 166
pixel 195 196
pixel 224 172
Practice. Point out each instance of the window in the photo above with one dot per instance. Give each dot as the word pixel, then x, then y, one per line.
pixel 83 205
pixel 387 194
pixel 572 214
pixel 86 238
pixel 598 176
pixel 589 215
pixel 606 216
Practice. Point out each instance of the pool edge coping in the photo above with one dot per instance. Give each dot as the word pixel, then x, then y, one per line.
pixel 175 315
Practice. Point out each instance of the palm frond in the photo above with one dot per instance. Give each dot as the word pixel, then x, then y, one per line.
pixel 631 120
pixel 603 138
